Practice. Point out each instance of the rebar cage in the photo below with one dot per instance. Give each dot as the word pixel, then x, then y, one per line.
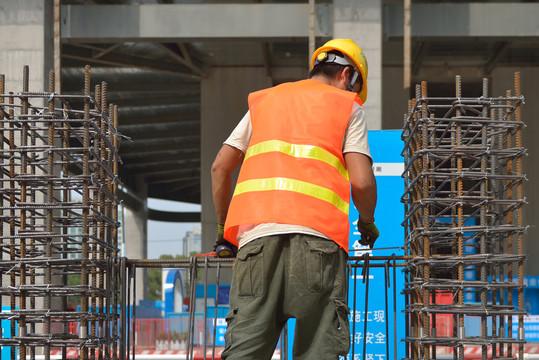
pixel 463 222
pixel 58 237
pixel 200 326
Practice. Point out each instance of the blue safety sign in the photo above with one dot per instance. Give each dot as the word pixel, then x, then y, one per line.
pixel 5 351
pixel 220 331
pixel 377 322
pixel 531 328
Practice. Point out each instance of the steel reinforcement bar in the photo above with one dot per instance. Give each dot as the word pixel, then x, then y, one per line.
pixel 205 269
pixel 59 221
pixel 463 223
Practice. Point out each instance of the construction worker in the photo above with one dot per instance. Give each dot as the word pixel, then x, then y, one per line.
pixel 300 146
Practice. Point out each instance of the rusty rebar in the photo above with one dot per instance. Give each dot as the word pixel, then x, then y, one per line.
pixel 463 223
pixel 58 199
pixel 520 220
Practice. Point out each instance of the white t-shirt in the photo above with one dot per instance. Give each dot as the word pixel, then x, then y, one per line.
pixel 355 140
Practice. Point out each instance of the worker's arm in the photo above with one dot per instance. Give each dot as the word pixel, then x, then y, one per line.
pixel 363 185
pixel 226 161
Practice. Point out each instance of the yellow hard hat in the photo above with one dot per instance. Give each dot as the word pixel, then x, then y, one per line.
pixel 354 52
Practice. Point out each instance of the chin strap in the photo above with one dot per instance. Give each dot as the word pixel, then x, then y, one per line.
pixel 353 81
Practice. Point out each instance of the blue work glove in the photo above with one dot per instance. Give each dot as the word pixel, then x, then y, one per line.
pixel 369 233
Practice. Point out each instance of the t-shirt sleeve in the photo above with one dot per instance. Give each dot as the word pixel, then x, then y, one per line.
pixel 356 136
pixel 241 135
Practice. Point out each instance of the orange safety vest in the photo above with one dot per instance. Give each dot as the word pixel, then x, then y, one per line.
pixel 294 170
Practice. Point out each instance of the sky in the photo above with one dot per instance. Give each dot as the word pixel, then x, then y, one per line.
pixel 166 237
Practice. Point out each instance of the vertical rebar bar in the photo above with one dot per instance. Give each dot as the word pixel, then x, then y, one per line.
pixel 85 209
pixel 95 208
pixel 49 211
pixel 520 220
pixel 66 198
pixel 115 235
pixel 510 216
pixel 23 219
pixel 497 244
pixel 483 222
pixel 12 214
pixel 426 217
pixel 460 217
pixel 103 176
pixel 123 312
pixel 109 184
pixel 134 320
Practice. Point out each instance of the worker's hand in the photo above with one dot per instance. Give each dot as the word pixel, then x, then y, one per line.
pixel 369 233
pixel 223 248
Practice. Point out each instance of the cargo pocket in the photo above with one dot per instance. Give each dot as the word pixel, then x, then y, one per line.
pixel 320 262
pixel 341 327
pixel 249 271
pixel 229 329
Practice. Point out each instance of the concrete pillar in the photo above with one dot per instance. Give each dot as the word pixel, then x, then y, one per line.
pixel 26 27
pixel 361 21
pixel 502 80
pixel 135 233
pixel 396 96
pixel 223 103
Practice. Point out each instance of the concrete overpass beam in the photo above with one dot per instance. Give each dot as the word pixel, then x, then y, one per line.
pixel 464 19
pixel 179 22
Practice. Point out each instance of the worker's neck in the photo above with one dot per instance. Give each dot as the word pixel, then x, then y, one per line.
pixel 326 80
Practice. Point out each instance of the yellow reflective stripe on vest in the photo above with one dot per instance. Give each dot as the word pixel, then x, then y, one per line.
pixel 298 186
pixel 299 151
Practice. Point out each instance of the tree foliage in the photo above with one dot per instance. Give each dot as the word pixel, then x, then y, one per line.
pixel 155 276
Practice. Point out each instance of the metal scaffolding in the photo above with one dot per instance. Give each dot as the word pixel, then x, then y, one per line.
pixel 463 222
pixel 59 221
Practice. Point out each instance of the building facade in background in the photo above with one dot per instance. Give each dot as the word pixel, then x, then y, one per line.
pixel 192 241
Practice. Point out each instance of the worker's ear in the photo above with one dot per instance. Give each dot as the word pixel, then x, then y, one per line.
pixel 344 77
pixel 344 73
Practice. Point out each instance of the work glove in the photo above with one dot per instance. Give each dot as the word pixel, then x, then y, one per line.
pixel 369 233
pixel 223 248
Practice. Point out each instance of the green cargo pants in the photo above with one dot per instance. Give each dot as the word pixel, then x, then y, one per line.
pixel 288 276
